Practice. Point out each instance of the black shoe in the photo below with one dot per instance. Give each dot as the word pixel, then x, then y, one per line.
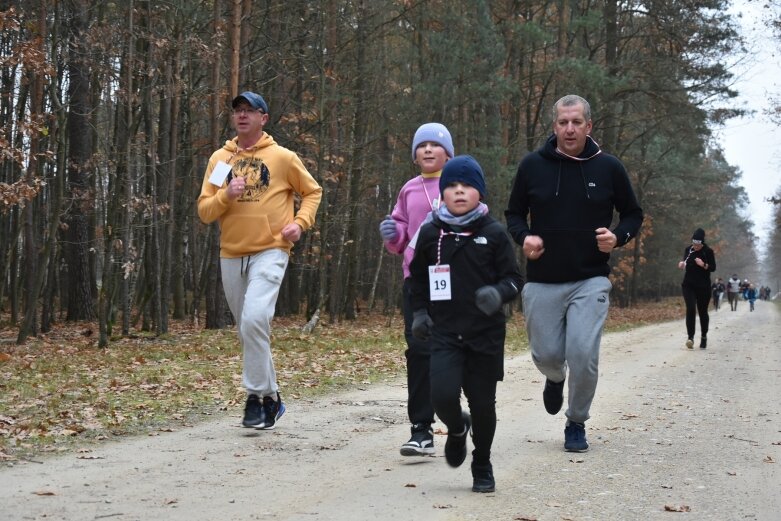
pixel 703 342
pixel 273 409
pixel 455 446
pixel 254 415
pixel 553 396
pixel 483 478
pixel 575 437
pixel 690 343
pixel 421 443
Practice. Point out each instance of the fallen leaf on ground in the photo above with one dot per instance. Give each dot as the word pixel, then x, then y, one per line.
pixel 768 459
pixel 44 493
pixel 677 508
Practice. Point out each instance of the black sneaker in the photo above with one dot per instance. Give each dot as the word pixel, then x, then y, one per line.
pixel 254 415
pixel 575 437
pixel 421 443
pixel 483 478
pixel 455 446
pixel 273 409
pixel 553 396
pixel 703 342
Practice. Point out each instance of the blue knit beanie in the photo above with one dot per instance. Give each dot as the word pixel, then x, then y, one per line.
pixel 436 133
pixel 464 169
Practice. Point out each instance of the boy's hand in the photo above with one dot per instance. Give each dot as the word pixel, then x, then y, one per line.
pixel 421 325
pixel 388 229
pixel 488 300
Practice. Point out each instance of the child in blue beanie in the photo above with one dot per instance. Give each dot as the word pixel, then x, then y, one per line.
pixel 463 270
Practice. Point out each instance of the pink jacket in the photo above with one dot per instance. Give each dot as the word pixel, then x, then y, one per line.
pixel 413 204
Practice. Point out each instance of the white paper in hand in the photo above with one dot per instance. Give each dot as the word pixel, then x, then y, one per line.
pixel 220 172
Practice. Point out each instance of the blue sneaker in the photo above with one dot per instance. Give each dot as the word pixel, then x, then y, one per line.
pixel 575 437
pixel 274 410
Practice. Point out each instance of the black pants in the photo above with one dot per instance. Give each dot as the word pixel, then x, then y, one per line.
pixel 418 356
pixel 475 367
pixel 733 300
pixel 697 300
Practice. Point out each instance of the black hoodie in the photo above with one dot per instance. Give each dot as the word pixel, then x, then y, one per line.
pixel 564 200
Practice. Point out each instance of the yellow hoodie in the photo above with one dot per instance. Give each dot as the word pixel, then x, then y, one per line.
pixel 253 222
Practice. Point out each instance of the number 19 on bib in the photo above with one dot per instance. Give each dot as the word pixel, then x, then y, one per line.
pixel 439 282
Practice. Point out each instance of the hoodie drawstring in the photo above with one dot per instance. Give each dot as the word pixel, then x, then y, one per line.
pixel 582 176
pixel 243 271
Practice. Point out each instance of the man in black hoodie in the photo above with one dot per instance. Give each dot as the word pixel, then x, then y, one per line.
pixel 560 210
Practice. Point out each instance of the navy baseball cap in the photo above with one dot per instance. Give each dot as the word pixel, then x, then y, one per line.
pixel 256 101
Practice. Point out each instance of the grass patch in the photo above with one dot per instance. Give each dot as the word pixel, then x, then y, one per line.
pixel 60 391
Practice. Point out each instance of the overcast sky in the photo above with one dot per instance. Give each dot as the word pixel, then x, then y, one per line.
pixel 753 143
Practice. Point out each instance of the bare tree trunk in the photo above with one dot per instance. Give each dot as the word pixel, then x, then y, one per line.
pixel 235 46
pixel 35 265
pixel 215 308
pixel 175 264
pixel 361 97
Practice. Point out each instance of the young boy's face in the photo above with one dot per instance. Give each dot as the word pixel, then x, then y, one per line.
pixel 430 157
pixel 460 198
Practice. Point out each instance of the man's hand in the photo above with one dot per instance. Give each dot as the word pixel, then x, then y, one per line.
pixel 533 247
pixel 606 240
pixel 292 232
pixel 236 187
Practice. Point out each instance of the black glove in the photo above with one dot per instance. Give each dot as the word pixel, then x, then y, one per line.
pixel 488 300
pixel 421 324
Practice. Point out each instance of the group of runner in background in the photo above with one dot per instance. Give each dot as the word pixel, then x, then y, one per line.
pixel 737 289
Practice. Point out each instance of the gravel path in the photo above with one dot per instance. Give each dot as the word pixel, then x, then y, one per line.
pixel 692 431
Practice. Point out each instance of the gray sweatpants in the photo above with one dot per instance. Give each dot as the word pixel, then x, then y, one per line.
pixel 251 288
pixel 564 323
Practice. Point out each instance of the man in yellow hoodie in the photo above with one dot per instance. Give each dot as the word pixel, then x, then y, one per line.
pixel 249 187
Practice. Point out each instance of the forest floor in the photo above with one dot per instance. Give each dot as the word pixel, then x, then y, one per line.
pixel 674 432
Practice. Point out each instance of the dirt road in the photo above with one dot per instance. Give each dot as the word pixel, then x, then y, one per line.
pixel 696 431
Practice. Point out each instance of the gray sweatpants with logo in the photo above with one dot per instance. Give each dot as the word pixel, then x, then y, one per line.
pixel 251 287
pixel 564 324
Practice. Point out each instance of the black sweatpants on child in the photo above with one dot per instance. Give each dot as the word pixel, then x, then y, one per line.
pixel 474 365
pixel 418 355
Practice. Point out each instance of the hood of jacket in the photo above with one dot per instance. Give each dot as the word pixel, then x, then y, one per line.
pixel 232 145
pixel 549 150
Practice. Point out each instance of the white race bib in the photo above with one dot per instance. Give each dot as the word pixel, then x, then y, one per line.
pixel 220 173
pixel 439 282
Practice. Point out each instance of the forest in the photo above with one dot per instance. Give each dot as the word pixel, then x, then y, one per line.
pixel 110 110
